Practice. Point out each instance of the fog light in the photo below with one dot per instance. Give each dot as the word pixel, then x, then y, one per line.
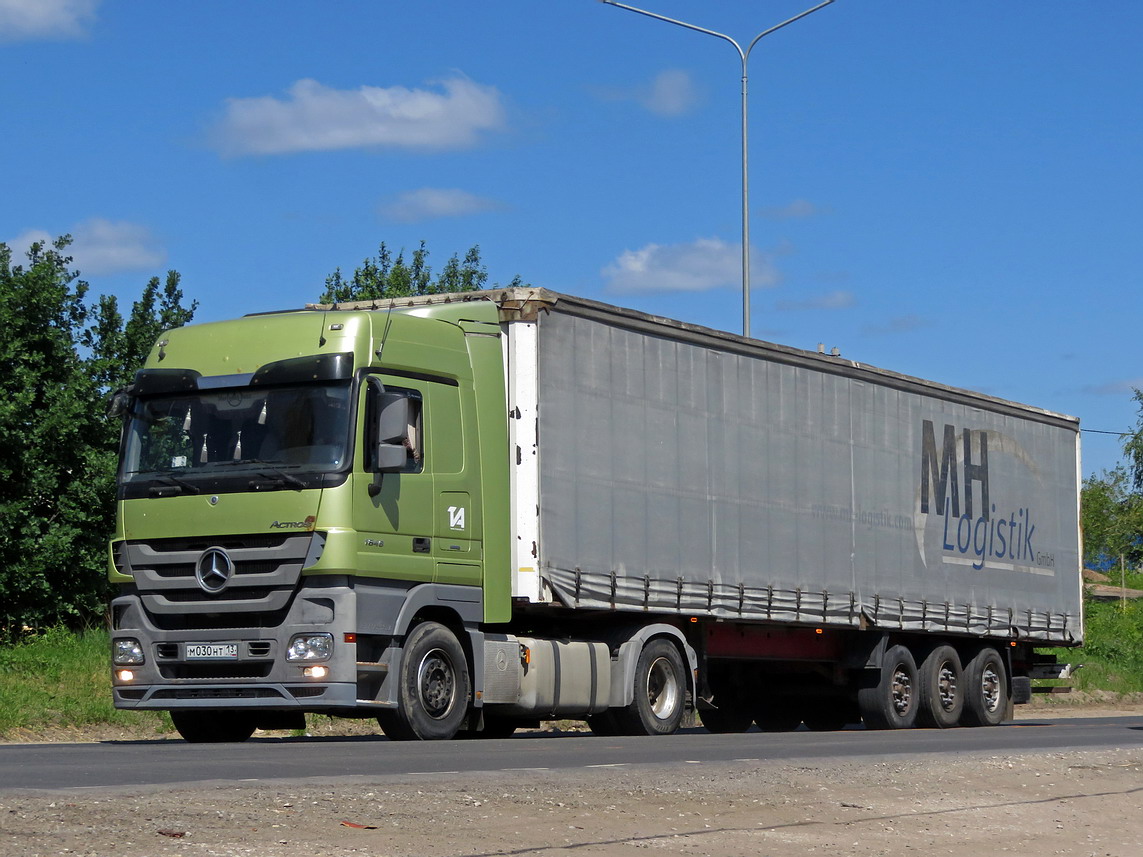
pixel 310 647
pixel 315 672
pixel 125 675
pixel 126 652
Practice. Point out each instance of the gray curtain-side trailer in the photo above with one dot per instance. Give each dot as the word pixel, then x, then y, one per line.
pixel 779 497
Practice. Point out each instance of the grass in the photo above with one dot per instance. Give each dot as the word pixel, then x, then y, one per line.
pixel 58 680
pixel 61 679
pixel 1112 653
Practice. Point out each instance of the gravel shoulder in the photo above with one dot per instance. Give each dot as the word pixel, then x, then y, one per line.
pixel 1061 803
pixel 1074 803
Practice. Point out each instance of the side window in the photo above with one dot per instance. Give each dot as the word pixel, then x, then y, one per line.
pixel 414 436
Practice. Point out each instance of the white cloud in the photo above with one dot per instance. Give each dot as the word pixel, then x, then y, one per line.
pixel 704 264
pixel 839 299
pixel 45 19
pixel 430 203
pixel 798 209
pixel 102 246
pixel 315 117
pixel 672 92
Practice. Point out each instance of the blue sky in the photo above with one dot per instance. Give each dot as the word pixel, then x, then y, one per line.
pixel 949 190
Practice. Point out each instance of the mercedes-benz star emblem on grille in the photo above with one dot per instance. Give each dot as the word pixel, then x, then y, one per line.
pixel 214 570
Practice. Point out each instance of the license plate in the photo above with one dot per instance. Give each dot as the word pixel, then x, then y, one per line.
pixel 211 651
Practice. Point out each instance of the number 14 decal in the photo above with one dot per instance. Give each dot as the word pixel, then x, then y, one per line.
pixel 456 517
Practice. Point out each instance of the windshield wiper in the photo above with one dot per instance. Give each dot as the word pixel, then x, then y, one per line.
pixel 174 486
pixel 276 479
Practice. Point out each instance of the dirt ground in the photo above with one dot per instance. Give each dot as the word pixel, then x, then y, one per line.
pixel 1068 803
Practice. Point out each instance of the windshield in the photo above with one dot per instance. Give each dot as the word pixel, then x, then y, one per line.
pixel 301 428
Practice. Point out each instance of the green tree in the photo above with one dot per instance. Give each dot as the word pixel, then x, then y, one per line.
pixel 1112 505
pixel 1112 517
pixel 383 276
pixel 59 359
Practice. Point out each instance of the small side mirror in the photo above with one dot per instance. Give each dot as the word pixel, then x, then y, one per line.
pixel 119 404
pixel 390 429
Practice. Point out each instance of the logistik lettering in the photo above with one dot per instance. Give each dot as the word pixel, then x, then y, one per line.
pixel 985 536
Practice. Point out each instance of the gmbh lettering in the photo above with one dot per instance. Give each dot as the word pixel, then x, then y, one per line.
pixel 971 529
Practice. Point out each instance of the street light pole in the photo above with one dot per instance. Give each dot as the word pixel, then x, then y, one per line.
pixel 743 55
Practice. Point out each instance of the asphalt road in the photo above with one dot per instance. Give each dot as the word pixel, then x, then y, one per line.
pixel 126 764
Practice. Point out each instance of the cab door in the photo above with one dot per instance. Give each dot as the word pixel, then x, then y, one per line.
pixel 393 512
pixel 456 474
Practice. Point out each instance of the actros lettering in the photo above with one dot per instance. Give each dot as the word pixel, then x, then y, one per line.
pixel 947 488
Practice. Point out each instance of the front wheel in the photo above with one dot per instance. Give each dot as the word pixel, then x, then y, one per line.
pixel 213 727
pixel 892 702
pixel 433 696
pixel 986 689
pixel 660 692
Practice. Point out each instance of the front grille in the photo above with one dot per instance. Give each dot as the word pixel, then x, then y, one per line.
pixel 266 573
pixel 196 595
pixel 301 692
pixel 217 621
pixel 217 693
pixel 240 669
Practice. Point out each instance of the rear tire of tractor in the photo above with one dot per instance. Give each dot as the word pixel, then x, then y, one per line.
pixel 892 702
pixel 942 689
pixel 660 692
pixel 214 727
pixel 434 690
pixel 986 689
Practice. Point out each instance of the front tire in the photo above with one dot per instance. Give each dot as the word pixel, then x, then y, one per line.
pixel 660 692
pixel 214 727
pixel 986 689
pixel 892 702
pixel 435 688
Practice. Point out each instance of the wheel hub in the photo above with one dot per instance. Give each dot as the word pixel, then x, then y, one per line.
pixel 437 683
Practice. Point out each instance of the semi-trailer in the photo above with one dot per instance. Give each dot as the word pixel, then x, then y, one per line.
pixel 466 513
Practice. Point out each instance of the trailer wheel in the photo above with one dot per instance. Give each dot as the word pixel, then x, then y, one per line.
pixel 986 689
pixel 432 699
pixel 892 702
pixel 942 689
pixel 660 692
pixel 214 727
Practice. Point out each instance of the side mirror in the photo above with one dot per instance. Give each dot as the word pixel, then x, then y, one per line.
pixel 390 429
pixel 119 404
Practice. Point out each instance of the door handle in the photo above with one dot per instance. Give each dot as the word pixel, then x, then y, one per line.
pixel 421 545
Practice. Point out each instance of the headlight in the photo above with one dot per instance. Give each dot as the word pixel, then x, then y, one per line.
pixel 310 647
pixel 126 652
